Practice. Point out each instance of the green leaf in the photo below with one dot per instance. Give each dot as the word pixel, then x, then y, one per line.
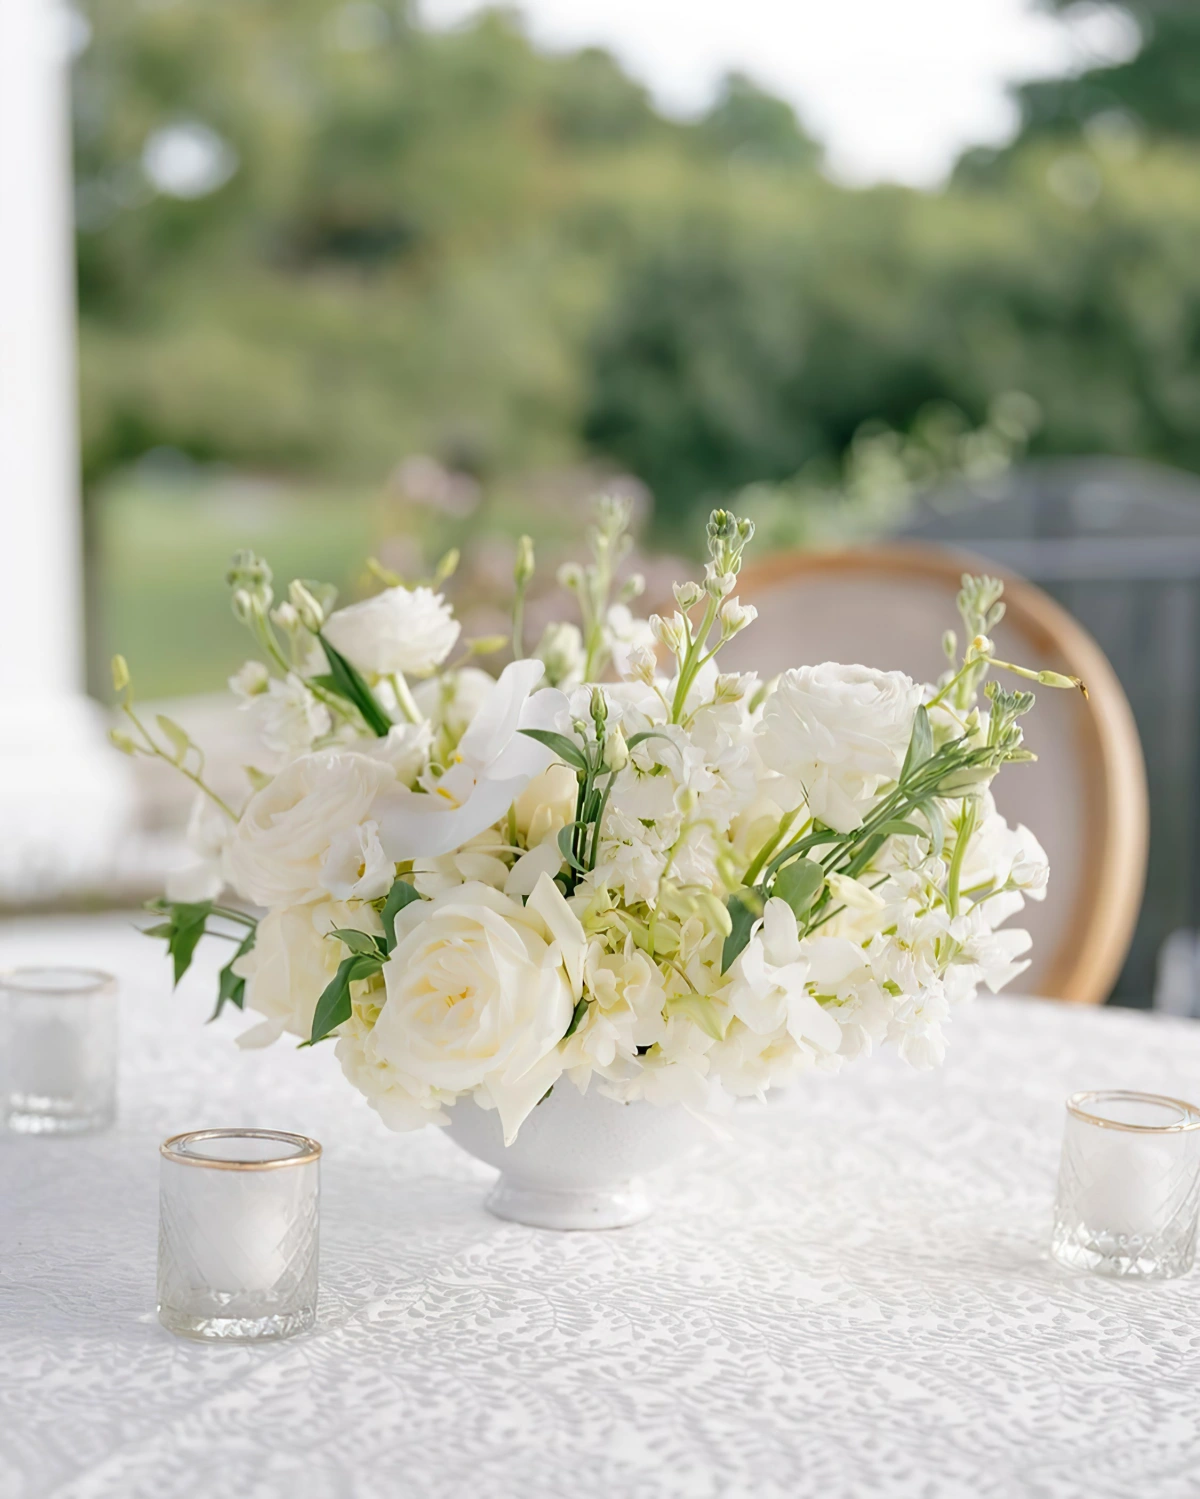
pixel 358 942
pixel 565 839
pixel 566 749
pixel 325 680
pixel 920 744
pixel 333 1007
pixel 645 734
pixel 187 922
pixel 577 1015
pixel 799 883
pixel 232 988
pixel 180 742
pixel 908 829
pixel 937 825
pixel 744 910
pixel 350 684
pixel 400 895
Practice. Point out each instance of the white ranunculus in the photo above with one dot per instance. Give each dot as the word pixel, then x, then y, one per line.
pixel 292 961
pixel 398 630
pixel 281 841
pixel 493 764
pixel 836 734
pixel 480 991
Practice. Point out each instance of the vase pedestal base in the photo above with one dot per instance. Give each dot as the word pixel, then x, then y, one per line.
pixel 546 1207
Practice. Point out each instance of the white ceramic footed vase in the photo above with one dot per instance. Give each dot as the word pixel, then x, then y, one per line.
pixel 580 1159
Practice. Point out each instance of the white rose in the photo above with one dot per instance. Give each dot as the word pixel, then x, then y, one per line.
pixel 281 841
pixel 480 992
pixel 837 733
pixel 398 630
pixel 292 961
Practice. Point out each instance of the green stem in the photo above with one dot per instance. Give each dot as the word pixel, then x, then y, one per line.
pixel 154 751
pixel 966 826
pixel 769 847
pixel 404 698
pixel 691 662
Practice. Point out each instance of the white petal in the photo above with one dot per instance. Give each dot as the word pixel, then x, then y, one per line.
pixel 545 859
pixel 548 903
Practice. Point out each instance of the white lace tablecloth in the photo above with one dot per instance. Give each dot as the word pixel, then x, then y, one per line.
pixel 851 1297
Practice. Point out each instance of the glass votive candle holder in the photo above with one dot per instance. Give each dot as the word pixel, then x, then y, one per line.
pixel 237 1243
pixel 1128 1185
pixel 58 1050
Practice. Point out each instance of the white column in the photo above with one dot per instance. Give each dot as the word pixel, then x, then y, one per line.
pixel 64 794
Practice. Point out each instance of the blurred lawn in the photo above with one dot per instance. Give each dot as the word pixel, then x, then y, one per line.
pixel 163 546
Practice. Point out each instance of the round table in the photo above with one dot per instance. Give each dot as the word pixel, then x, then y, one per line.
pixel 850 1295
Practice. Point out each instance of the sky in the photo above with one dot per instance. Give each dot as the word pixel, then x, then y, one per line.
pixel 895 88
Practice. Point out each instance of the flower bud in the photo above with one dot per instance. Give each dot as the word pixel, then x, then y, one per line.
pixel 570 576
pixel 312 616
pixel 950 645
pixel 669 632
pixel 616 751
pixel 599 710
pixel 982 646
pixel 242 603
pixel 286 617
pixel 524 565
pixel 632 588
pixel 122 742
pixel 688 595
pixel 120 673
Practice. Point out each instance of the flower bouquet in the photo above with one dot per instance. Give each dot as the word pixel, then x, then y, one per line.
pixel 611 870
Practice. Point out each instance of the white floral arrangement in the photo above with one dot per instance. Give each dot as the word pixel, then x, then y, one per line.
pixel 612 866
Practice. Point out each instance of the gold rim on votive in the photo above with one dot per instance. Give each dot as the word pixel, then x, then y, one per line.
pixel 1076 1102
pixel 17 981
pixel 310 1152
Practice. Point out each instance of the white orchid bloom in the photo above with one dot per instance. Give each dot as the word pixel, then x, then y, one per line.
pixel 493 764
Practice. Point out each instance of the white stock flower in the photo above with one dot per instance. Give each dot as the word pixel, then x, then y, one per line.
pixel 292 718
pixel 249 681
pixel 480 992
pixel 282 838
pixel 398 630
pixel 493 764
pixel 836 734
pixel 292 961
pixel 769 991
pixel 628 638
pixel 356 867
pixel 450 701
pixel 405 748
pixel 560 650
pixel 208 835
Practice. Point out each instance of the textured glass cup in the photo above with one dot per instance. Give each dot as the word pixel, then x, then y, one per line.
pixel 58 1050
pixel 237 1239
pixel 1128 1185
